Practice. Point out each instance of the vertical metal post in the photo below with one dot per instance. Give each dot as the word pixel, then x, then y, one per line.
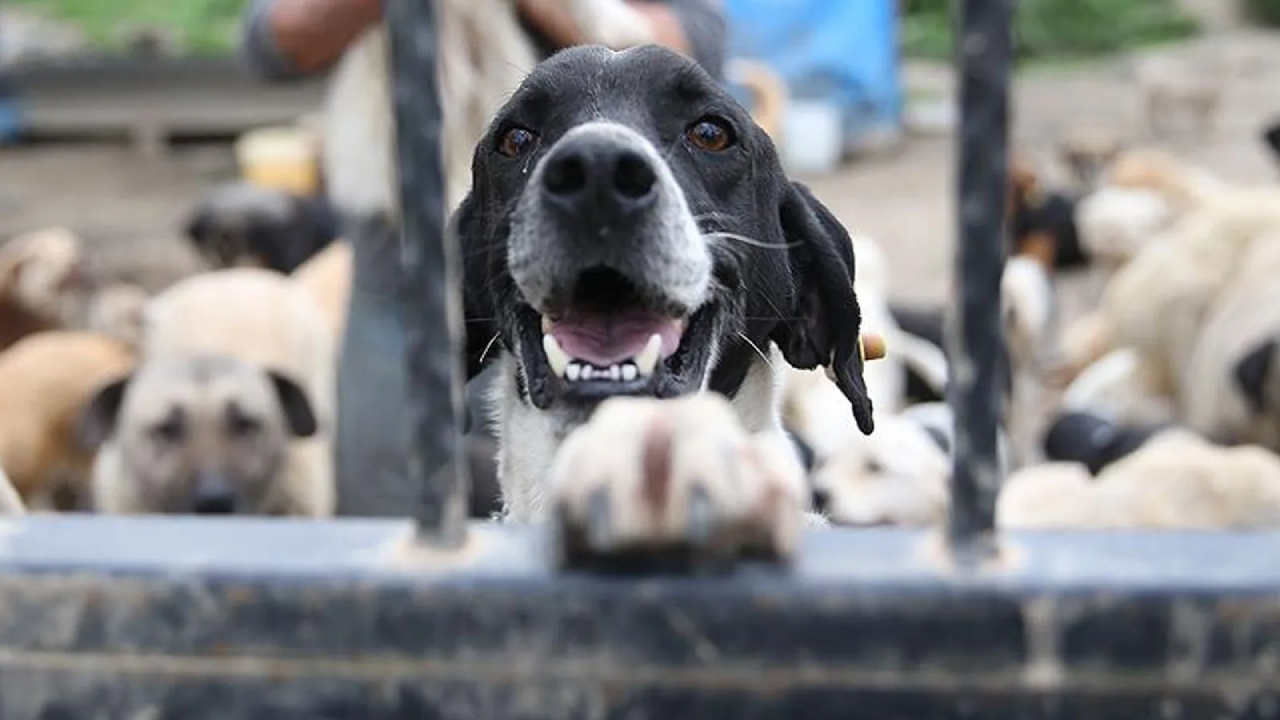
pixel 984 55
pixel 432 305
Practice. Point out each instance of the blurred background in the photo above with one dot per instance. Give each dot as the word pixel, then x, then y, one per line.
pixel 117 115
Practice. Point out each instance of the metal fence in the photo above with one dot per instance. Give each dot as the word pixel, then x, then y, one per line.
pixel 185 618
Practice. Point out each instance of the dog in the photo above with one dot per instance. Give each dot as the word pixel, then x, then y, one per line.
pixel 46 283
pixel 11 504
pixel 646 268
pixel 233 399
pixel 1093 440
pixel 1087 152
pixel 1271 138
pixel 484 53
pixel 1229 391
pixel 116 310
pixel 327 277
pixel 1176 480
pixel 243 224
pixel 47 378
pixel 203 435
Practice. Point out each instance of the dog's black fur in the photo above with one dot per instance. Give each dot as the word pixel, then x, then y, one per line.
pixel 249 227
pixel 791 284
pixel 1253 373
pixel 1271 137
pixel 1093 440
pixel 1052 213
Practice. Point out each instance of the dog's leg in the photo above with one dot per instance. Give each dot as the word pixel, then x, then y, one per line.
pixel 646 476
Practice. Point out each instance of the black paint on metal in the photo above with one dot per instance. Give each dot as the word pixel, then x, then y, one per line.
pixel 235 618
pixel 432 307
pixel 984 55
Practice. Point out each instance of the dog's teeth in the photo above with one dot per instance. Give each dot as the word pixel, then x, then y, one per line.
pixel 588 372
pixel 647 359
pixel 574 371
pixel 557 358
pixel 615 373
pixel 546 324
pixel 629 372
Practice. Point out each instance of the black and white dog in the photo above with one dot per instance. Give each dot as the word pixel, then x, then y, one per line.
pixel 630 232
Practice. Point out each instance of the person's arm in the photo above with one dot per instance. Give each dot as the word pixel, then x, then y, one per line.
pixel 286 39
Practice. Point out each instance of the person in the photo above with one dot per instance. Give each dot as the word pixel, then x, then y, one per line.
pixel 286 40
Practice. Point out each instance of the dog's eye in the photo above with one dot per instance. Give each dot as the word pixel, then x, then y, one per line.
pixel 517 141
pixel 240 424
pixel 710 134
pixel 169 431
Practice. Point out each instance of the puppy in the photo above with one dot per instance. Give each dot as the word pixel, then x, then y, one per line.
pixel 632 242
pixel 45 284
pixel 1271 138
pixel 1087 152
pixel 11 504
pixel 327 277
pixel 47 378
pixel 1093 440
pixel 1230 389
pixel 243 224
pixel 202 434
pixel 1042 222
pixel 117 312
pixel 248 348
pixel 1177 480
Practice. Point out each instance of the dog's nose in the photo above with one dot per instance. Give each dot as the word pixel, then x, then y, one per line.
pixel 213 495
pixel 594 174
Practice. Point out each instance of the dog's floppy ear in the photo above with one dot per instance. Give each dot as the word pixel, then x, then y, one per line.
pixel 298 413
pixel 1253 371
pixel 1271 136
pixel 479 324
pixel 825 320
pixel 98 418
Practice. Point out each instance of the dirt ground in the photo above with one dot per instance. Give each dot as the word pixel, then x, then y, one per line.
pixel 130 208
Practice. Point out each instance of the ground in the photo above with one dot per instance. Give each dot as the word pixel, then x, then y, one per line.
pixel 131 208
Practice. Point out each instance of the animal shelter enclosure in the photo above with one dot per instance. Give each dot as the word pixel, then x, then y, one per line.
pixel 434 617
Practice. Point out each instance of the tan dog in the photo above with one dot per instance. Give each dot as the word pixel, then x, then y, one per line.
pixel 1175 481
pixel 327 276
pixel 1230 389
pixel 44 284
pixel 117 311
pixel 10 502
pixel 1087 152
pixel 241 337
pixel 203 434
pixel 47 378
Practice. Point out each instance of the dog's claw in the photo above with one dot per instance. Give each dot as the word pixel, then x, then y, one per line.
pixel 599 534
pixel 701 515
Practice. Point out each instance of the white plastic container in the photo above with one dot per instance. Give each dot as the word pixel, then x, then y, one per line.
pixel 813 137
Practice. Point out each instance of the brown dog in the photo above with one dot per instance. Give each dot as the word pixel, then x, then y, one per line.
pixel 47 378
pixel 44 284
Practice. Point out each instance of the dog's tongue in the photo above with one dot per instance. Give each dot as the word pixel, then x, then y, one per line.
pixel 608 338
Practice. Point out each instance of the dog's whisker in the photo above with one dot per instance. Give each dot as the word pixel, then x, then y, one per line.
pixel 485 353
pixel 755 347
pixel 748 240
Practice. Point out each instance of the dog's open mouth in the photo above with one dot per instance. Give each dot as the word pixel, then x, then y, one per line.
pixel 611 338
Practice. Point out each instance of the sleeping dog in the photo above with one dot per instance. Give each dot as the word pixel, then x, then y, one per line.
pixel 630 239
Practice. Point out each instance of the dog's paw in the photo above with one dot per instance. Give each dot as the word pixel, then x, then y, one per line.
pixel 648 481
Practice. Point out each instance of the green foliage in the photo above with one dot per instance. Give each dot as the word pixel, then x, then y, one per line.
pixel 1266 12
pixel 202 26
pixel 1056 28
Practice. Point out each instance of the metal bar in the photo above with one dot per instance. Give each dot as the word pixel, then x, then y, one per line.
pixel 198 618
pixel 984 52
pixel 432 307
